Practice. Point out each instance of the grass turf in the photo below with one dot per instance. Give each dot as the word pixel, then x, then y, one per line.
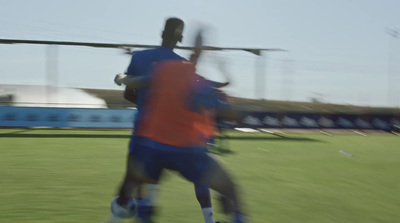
pixel 71 175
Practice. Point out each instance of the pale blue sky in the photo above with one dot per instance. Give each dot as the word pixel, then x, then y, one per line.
pixel 337 50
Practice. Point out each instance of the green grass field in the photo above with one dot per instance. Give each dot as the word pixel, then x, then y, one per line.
pixel 64 176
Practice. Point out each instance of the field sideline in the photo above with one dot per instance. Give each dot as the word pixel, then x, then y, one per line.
pixel 70 176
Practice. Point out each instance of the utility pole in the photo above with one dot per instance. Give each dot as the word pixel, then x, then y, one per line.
pixel 395 34
pixel 51 75
pixel 260 76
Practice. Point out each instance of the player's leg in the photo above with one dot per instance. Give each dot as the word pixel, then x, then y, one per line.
pixel 146 202
pixel 223 143
pixel 137 167
pixel 135 175
pixel 226 203
pixel 204 198
pixel 218 178
pixel 148 169
pixel 200 168
pixel 123 206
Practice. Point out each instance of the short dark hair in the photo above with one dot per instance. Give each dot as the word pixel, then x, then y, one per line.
pixel 170 26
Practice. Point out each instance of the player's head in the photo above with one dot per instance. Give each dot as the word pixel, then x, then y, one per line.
pixel 173 31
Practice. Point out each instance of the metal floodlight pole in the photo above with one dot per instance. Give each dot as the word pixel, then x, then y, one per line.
pixel 395 34
pixel 51 74
pixel 260 77
pixel 261 72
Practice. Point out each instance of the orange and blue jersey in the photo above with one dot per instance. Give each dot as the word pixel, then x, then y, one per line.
pixel 141 65
pixel 179 105
pixel 170 133
pixel 206 122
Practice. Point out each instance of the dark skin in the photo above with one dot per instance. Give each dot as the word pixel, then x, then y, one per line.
pixel 130 95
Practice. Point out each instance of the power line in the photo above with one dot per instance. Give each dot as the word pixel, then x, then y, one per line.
pixel 255 51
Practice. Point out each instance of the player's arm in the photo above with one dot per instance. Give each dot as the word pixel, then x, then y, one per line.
pixel 222 68
pixel 206 96
pixel 224 109
pixel 130 95
pixel 131 82
pixel 219 84
pixel 216 84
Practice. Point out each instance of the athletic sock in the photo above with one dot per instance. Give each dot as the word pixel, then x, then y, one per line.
pixel 208 215
pixel 146 204
pixel 151 193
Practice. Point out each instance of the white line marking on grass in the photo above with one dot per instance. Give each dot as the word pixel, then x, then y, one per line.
pixel 246 130
pixel 280 132
pixel 395 133
pixel 360 133
pixel 325 133
pixel 265 150
pixel 267 131
pixel 347 153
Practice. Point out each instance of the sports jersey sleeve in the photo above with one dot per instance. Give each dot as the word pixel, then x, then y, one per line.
pixel 206 96
pixel 132 65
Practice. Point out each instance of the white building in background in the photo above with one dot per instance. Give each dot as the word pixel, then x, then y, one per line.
pixel 43 96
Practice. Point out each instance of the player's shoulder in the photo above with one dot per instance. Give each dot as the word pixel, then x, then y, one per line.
pixel 156 54
pixel 144 52
pixel 143 55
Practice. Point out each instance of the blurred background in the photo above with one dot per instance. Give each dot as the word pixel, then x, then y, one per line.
pixel 342 52
pixel 314 65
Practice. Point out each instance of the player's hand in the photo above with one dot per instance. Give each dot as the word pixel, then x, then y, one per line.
pixel 225 84
pixel 119 78
pixel 222 68
pixel 198 44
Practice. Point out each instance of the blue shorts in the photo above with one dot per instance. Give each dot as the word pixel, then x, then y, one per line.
pixel 191 163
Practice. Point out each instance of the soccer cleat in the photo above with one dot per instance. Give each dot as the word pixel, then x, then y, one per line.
pixel 144 211
pixel 127 211
pixel 239 218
